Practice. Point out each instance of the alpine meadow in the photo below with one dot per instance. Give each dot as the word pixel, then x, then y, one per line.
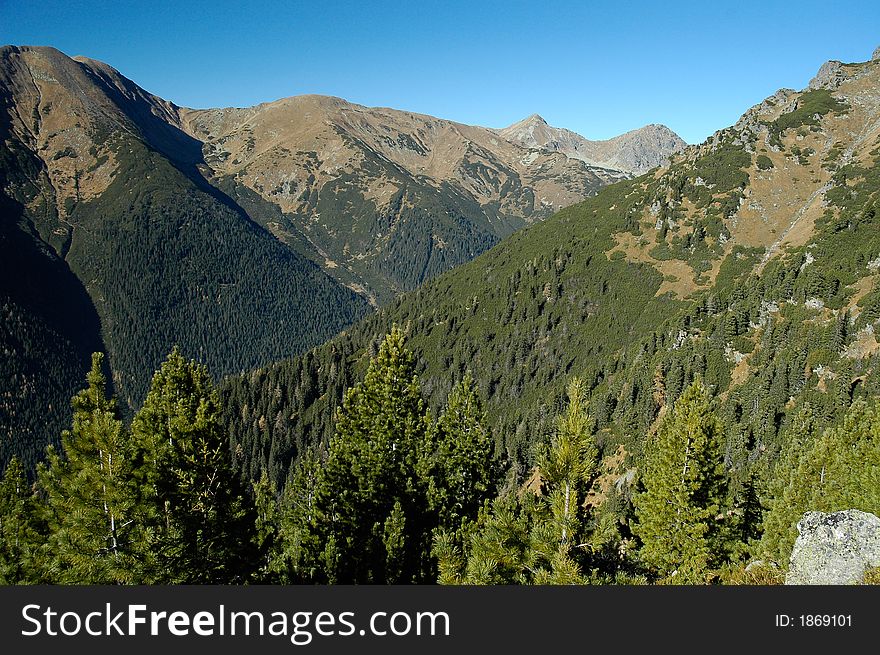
pixel 314 342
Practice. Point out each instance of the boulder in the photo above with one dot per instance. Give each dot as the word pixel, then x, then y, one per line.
pixel 834 548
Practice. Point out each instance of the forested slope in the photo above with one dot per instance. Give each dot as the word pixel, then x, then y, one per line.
pixel 748 262
pixel 112 241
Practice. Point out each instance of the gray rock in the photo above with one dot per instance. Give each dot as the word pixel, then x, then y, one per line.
pixel 635 152
pixel 876 55
pixel 625 480
pixel 834 548
pixel 830 76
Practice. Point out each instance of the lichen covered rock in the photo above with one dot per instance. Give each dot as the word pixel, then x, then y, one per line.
pixel 834 548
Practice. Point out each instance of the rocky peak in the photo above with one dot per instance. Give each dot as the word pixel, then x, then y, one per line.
pixel 829 76
pixel 634 152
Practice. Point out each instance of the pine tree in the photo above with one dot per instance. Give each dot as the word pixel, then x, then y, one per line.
pixel 370 498
pixel 267 525
pixel 495 549
pixel 532 538
pixel 837 471
pixel 788 497
pixel 684 490
pixel 19 541
pixel 202 517
pixel 566 468
pixel 457 462
pixel 295 559
pixel 94 519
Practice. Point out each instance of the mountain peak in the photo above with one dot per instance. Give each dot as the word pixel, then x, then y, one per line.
pixel 634 152
pixel 530 122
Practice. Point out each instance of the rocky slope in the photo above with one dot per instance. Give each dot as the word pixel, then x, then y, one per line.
pixel 383 199
pixel 634 152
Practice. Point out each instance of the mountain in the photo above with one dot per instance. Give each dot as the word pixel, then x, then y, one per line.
pixel 634 152
pixel 111 240
pixel 382 199
pixel 749 261
pixel 130 224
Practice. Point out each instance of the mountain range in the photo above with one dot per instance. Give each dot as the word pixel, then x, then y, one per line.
pixel 130 224
pixel 384 199
pixel 671 372
pixel 749 261
pixel 635 152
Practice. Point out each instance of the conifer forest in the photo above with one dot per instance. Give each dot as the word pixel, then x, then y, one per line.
pixel 394 375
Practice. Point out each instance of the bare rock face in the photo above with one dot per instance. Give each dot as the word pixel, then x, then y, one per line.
pixel 876 55
pixel 829 76
pixel 635 152
pixel 834 548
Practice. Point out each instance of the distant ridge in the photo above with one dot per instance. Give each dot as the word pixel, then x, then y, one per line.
pixel 634 152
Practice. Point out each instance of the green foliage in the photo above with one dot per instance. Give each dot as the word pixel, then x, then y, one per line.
pixel 837 471
pixel 723 168
pixel 566 308
pixel 95 520
pixel 363 485
pixel 811 104
pixel 566 466
pixel 755 573
pixel 763 162
pixel 369 497
pixel 535 537
pixel 294 557
pixel 678 513
pixel 174 262
pixel 19 539
pixel 267 525
pixel 810 107
pixel 160 258
pixel 48 324
pixel 457 460
pixel 201 518
pixel 390 479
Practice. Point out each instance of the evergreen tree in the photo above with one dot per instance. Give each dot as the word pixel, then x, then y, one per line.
pixel 533 537
pixel 495 549
pixel 566 468
pixel 268 519
pixel 370 499
pixel 202 518
pixel 684 490
pixel 788 498
pixel 837 471
pixel 19 541
pixel 457 462
pixel 296 556
pixel 94 519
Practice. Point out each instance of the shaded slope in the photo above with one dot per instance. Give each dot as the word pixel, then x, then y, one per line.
pixel 48 327
pixel 105 217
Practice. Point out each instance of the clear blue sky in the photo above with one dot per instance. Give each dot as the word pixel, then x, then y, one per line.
pixel 599 68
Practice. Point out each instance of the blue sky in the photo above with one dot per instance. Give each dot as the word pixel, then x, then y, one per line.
pixel 599 68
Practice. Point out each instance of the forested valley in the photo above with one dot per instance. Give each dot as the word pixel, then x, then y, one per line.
pixel 650 387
